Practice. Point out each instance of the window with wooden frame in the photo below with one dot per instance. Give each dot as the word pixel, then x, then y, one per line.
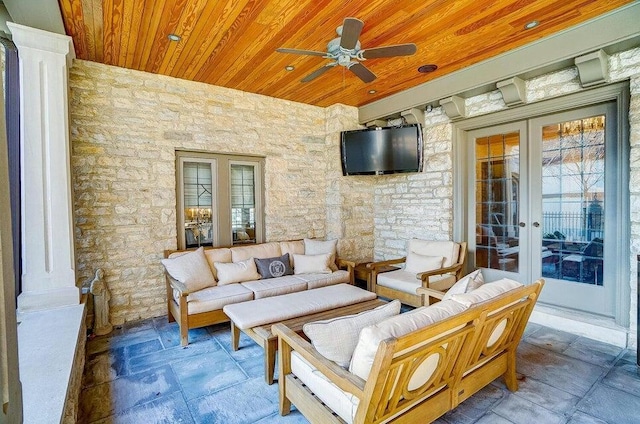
pixel 220 199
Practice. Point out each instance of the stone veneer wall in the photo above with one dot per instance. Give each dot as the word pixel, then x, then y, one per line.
pixel 420 205
pixel 125 128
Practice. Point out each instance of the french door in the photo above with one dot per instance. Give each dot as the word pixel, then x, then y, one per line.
pixel 542 203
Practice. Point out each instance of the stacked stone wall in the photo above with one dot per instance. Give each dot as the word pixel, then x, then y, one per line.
pixel 125 128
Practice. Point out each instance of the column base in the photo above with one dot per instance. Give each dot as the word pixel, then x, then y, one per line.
pixel 48 299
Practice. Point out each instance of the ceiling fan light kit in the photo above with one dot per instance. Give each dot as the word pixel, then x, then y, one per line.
pixel 345 50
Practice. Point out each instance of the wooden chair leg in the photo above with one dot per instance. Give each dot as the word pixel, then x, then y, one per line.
pixel 184 334
pixel 510 378
pixel 270 350
pixel 284 369
pixel 235 336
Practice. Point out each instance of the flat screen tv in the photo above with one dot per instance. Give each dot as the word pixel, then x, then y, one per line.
pixel 378 151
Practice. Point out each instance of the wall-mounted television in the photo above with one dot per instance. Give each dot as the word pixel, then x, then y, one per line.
pixel 378 151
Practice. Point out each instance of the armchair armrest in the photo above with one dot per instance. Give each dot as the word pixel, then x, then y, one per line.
pixel 424 276
pixel 376 265
pixel 177 285
pixel 423 291
pixel 336 374
pixel 349 265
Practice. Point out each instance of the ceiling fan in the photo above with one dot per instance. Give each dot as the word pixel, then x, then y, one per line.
pixel 345 51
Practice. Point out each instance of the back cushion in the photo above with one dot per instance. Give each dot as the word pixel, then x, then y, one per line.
pixel 450 250
pixel 320 247
pixel 222 254
pixel 370 337
pixel 295 247
pixel 260 251
pixel 486 291
pixel 420 263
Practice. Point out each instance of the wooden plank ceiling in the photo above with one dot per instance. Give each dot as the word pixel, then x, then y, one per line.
pixel 232 43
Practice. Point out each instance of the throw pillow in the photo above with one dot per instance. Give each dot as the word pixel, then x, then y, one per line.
pixel 274 267
pixel 191 269
pixel 397 326
pixel 417 263
pixel 466 284
pixel 312 264
pixel 336 338
pixel 318 247
pixel 486 291
pixel 236 272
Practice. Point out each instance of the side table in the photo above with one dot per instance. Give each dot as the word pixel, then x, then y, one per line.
pixel 362 274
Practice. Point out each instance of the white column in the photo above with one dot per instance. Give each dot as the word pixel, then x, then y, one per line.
pixel 48 260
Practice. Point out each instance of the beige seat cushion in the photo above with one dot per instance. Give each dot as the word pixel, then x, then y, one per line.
pixel 275 286
pixel 336 338
pixel 450 250
pixel 279 308
pixel 342 403
pixel 370 337
pixel 407 282
pixel 217 297
pixel 315 281
pixel 191 269
pixel 261 251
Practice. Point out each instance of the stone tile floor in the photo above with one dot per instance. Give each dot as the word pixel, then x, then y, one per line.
pixel 141 374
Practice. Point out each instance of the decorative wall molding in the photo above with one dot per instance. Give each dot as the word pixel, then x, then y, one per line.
pixel 513 91
pixel 454 107
pixel 413 116
pixel 593 68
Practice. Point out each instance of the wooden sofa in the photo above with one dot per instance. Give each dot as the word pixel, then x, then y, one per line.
pixel 416 377
pixel 402 284
pixel 194 309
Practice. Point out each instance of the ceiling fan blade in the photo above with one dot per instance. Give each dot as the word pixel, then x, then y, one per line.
pixel 315 74
pixel 390 51
pixel 297 51
pixel 362 72
pixel 351 29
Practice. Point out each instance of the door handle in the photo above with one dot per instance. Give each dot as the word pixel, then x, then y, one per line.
pixel 522 224
pixel 536 224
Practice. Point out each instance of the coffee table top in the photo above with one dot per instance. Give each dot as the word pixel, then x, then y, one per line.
pixel 296 324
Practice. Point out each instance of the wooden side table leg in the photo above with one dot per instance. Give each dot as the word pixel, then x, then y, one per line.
pixel 235 336
pixel 270 349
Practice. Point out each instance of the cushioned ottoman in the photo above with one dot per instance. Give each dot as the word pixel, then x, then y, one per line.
pixel 252 316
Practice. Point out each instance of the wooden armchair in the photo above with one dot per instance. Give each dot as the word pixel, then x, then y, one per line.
pixel 432 265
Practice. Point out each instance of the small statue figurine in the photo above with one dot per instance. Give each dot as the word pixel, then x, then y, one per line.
pixel 101 296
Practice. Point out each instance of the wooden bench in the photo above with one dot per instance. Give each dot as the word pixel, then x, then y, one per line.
pixel 416 377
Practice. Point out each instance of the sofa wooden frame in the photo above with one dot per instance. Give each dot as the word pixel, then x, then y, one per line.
pixel 471 357
pixel 177 310
pixel 417 299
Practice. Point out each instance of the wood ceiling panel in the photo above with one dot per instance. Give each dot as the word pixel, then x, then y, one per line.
pixel 232 42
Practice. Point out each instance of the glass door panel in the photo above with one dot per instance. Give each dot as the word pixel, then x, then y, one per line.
pixel 198 211
pixel 571 202
pixel 496 202
pixel 573 199
pixel 243 203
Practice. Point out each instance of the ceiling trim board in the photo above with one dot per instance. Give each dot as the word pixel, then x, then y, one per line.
pixel 615 27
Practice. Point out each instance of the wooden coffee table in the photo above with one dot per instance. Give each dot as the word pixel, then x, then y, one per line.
pixel 264 337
